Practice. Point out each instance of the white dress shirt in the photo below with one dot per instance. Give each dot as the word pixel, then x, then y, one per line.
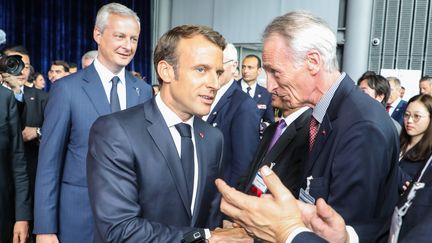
pixel 244 87
pixel 218 96
pixel 106 75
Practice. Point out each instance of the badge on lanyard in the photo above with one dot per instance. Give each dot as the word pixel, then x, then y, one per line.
pixel 258 186
pixel 304 194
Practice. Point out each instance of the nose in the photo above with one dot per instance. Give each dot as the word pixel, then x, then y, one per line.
pixel 271 84
pixel 127 44
pixel 213 82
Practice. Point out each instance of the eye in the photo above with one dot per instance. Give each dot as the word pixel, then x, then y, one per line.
pixel 200 69
pixel 134 40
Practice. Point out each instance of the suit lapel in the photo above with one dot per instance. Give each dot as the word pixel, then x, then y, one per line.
pixel 94 89
pixel 225 99
pixel 163 140
pixel 133 92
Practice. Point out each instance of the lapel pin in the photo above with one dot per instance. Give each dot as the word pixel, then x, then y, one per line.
pixel 201 135
pixel 259 95
pixel 137 91
pixel 32 98
pixel 323 132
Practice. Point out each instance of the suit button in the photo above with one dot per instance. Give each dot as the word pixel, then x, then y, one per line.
pixel 214 124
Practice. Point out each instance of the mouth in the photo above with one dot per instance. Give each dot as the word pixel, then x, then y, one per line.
pixel 207 99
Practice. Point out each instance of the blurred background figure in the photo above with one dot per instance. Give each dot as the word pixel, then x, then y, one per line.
pixel 88 58
pixel 395 105
pixel 156 89
pixel 425 85
pixel 39 81
pixel 402 92
pixel 58 70
pixel 73 68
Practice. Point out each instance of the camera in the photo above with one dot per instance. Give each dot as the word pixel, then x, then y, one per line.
pixel 11 64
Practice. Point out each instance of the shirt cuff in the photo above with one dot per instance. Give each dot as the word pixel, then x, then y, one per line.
pixel 208 234
pixel 296 232
pixel 353 237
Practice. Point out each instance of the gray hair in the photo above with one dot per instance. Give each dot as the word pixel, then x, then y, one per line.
pixel 230 52
pixel 303 32
pixel 113 8
pixel 89 55
pixel 396 82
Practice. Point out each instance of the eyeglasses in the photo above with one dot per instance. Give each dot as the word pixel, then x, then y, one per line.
pixel 415 117
pixel 228 61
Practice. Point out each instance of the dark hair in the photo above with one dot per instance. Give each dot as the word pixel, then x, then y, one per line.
pixel 378 83
pixel 72 65
pixel 15 48
pixel 62 63
pixel 254 56
pixel 32 75
pixel 166 48
pixel 423 148
pixel 425 78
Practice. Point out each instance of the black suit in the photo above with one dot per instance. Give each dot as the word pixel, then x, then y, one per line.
pixel 14 183
pixel 287 153
pixel 32 115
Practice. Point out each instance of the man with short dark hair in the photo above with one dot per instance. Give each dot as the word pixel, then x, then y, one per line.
pixel 251 69
pixel 151 168
pixel 58 70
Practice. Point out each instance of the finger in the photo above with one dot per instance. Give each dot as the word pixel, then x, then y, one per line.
pixel 232 196
pixel 327 213
pixel 274 184
pixel 15 237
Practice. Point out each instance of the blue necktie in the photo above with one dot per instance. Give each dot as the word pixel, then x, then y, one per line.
pixel 114 99
pixel 187 154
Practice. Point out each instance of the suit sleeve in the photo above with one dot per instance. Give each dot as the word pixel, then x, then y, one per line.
pixel 361 157
pixel 19 165
pixel 244 139
pixel 307 237
pixel 52 152
pixel 113 189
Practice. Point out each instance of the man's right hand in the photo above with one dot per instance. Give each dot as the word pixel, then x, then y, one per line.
pixel 47 238
pixel 13 82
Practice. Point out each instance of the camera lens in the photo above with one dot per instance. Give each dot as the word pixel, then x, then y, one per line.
pixel 11 64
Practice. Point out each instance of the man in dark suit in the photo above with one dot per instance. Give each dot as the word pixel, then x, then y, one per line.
pixel 282 147
pixel 15 203
pixel 251 68
pixel 234 113
pixel 62 207
pixel 350 134
pixel 149 180
pixel 395 105
pixel 31 104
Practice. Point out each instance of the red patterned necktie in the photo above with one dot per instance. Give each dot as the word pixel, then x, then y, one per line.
pixel 313 131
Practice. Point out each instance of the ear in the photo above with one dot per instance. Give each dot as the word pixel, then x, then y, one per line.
pixel 165 71
pixel 313 61
pixel 97 35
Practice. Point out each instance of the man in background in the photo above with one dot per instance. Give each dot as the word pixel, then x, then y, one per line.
pixel 62 207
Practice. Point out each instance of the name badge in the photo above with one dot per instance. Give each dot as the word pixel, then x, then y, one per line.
pixel 262 106
pixel 258 185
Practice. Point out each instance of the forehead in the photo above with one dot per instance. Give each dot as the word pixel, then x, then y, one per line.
pixel 121 23
pixel 416 106
pixel 56 67
pixel 199 51
pixel 250 61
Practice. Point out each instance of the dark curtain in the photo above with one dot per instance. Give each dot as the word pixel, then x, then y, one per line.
pixel 63 30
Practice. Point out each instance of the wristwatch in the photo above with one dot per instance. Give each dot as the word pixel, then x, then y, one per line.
pixel 194 236
pixel 38 133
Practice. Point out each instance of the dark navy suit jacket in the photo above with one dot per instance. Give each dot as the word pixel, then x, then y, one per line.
pixel 288 153
pixel 61 202
pixel 263 102
pixel 235 115
pixel 354 161
pixel 137 187
pixel 399 112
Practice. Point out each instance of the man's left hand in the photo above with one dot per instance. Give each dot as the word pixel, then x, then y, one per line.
pixel 20 231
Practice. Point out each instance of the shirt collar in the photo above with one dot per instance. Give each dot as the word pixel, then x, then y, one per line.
pixel 170 117
pixel 106 75
pixel 320 109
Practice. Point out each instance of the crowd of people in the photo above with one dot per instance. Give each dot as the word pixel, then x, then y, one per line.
pixel 208 155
